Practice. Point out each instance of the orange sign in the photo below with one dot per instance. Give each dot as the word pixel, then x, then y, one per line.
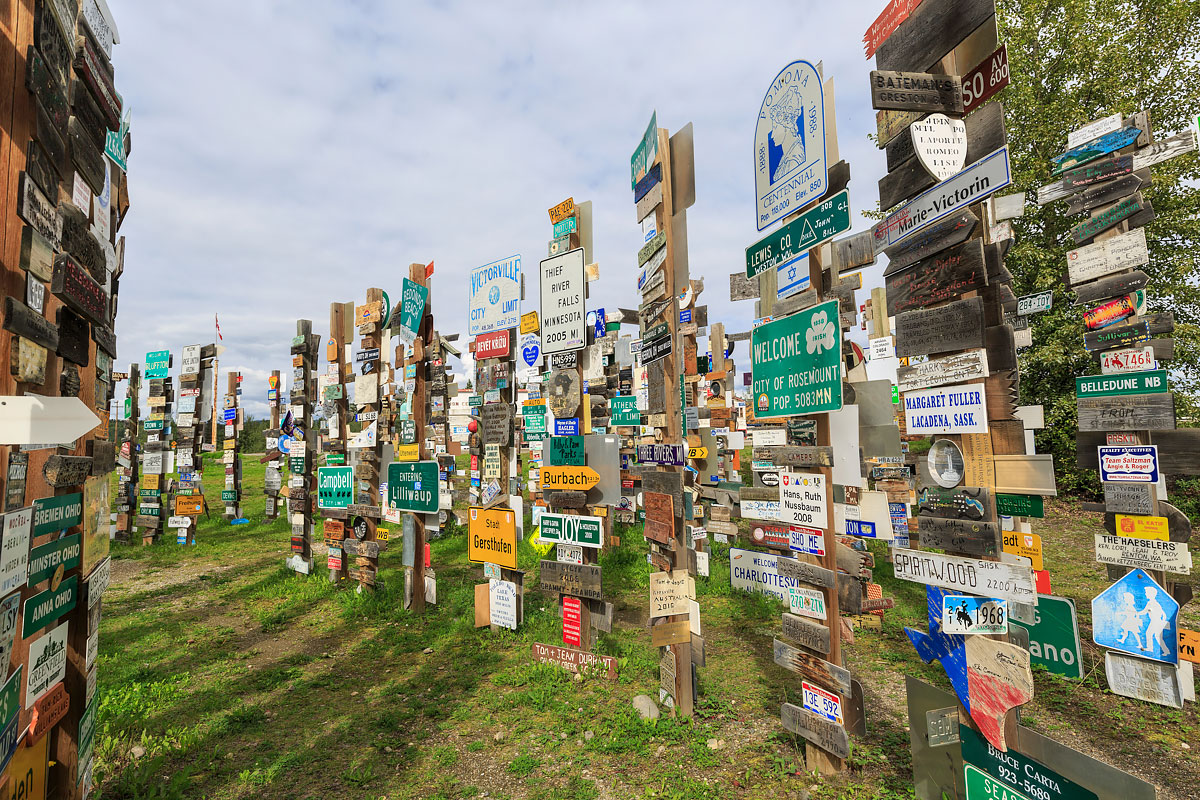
pixel 1142 527
pixel 1189 645
pixel 1027 545
pixel 579 479
pixel 189 506
pixel 563 210
pixel 492 536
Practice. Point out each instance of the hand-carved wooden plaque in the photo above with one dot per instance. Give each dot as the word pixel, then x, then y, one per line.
pixel 955 326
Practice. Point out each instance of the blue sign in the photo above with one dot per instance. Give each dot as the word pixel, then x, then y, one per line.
pixel 600 321
pixel 566 427
pixel 284 444
pixel 1129 463
pixel 685 315
pixel 860 527
pixel 1137 616
pixel 230 414
pixel 531 349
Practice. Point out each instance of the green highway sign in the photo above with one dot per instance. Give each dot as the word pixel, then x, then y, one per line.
pixel 45 607
pixel 793 240
pixel 565 451
pixel 475 400
pixel 1012 771
pixel 413 486
pixel 153 424
pixel 1054 636
pixel 229 495
pixel 52 514
pixel 335 459
pixel 1152 382
pixel 1020 505
pixel 981 786
pixel 623 411
pixel 158 364
pixel 46 558
pixel 335 487
pixel 797 363
pixel 571 529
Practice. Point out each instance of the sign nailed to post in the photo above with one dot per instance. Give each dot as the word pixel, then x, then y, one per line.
pixel 790 168
pixel 797 363
pixel 495 296
pixel 563 318
pixel 795 239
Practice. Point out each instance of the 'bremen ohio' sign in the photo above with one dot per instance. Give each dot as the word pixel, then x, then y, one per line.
pixel 797 363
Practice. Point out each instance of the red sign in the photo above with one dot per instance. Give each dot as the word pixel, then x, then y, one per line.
pixel 985 80
pixel 896 12
pixel 47 711
pixel 1041 580
pixel 492 345
pixel 335 562
pixel 74 286
pixel 772 536
pixel 572 615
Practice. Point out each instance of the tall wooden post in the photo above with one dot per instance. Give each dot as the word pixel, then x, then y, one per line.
pixel 341 320
pixel 420 413
pixel 272 482
pixel 368 448
pixel 232 494
pixel 129 478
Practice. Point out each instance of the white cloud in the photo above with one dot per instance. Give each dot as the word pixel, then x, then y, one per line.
pixel 285 158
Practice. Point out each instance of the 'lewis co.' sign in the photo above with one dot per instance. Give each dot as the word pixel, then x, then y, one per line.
pixel 797 363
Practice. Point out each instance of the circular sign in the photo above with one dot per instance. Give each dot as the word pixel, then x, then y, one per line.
pixel 758 535
pixel 946 463
pixel 284 444
pixel 770 479
pixel 360 528
pixel 57 578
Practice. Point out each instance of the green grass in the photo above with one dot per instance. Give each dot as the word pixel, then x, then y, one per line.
pixel 241 679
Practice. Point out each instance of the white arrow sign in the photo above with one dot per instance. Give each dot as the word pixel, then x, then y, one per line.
pixel 33 420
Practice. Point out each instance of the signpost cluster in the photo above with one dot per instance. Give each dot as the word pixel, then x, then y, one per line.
pixel 335 480
pixel 194 410
pixel 662 179
pixel 294 433
pixel 232 423
pixel 154 493
pixel 128 459
pixel 64 156
pixel 1126 413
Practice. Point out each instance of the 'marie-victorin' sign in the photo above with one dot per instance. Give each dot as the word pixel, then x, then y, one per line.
pixel 986 176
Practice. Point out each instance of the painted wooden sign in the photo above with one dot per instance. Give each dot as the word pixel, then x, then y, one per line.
pixel 90 67
pixel 1117 336
pixel 818 670
pixel 951 231
pixel 941 277
pixel 886 23
pixel 790 167
pixel 829 736
pixel 960 537
pixel 39 212
pixel 1130 497
pixel 1096 148
pixel 966 575
pixel 576 661
pixel 808 634
pixel 916 91
pixel 74 286
pixel 580 580
pixel 1142 553
pixel 1153 412
pixel 1120 253
pixel 1108 217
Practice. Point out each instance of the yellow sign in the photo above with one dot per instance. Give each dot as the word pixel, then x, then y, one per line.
pixel 537 401
pixel 157 415
pixel 492 536
pixel 27 771
pixel 1142 527
pixel 382 534
pixel 579 479
pixel 408 452
pixel 189 506
pixel 230 444
pixel 151 481
pixel 536 542
pixel 1189 645
pixel 529 322
pixel 1026 545
pixel 561 211
pixel 697 452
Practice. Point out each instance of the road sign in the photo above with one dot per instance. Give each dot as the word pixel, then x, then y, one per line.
pixel 29 419
pixel 1128 463
pixel 790 168
pixel 413 297
pixel 335 487
pixel 623 411
pixel 158 363
pixel 563 316
pixel 967 614
pixel 1011 771
pixel 1118 624
pixel 1152 382
pixel 491 536
pixel 571 529
pixel 793 241
pixel 1054 636
pixel 1035 303
pixel 797 363
pixel 568 478
pixel 413 486
pixel 495 296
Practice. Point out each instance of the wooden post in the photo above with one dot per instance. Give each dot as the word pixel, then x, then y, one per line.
pixel 420 413
pixel 272 502
pixel 129 479
pixel 335 445
pixel 366 470
pixel 233 466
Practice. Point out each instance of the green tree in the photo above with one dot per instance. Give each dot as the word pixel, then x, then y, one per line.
pixel 1074 61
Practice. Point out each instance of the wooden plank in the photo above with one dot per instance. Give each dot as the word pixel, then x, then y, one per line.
pixel 960 537
pixel 1109 192
pixel 853 252
pixel 579 580
pixel 941 277
pixel 952 230
pixel 1112 286
pixel 794 456
pixel 1144 412
pixel 916 91
pixel 955 326
pixel 806 573
pixel 957 368
pixel 818 670
pixel 828 736
pixel 931 31
pixel 1108 217
pixel 21 321
pixel 1147 156
pixel 805 633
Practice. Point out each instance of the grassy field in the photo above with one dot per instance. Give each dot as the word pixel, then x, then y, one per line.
pixel 224 675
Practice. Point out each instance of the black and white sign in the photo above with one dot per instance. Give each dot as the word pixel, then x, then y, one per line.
pixel 564 323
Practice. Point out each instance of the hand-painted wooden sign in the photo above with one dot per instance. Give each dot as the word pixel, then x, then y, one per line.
pixel 952 230
pixel 1096 148
pixel 828 736
pixel 968 576
pixel 1105 218
pixel 955 326
pixel 580 580
pixel 575 660
pixel 916 91
pixel 89 66
pixel 943 276
pixel 1144 412
pixel 790 168
pixel 886 23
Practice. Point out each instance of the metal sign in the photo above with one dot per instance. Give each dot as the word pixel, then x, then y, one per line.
pixel 1118 624
pixel 158 363
pixel 413 486
pixel 948 409
pixel 967 614
pixel 563 315
pixel 1128 463
pixel 1035 303
pixel 1054 636
pixel 797 363
pixel 790 168
pixel 1152 382
pixel 495 296
pixel 491 535
pixel 792 242
pixel 571 529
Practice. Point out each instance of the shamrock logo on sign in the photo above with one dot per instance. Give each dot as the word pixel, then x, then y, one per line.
pixel 822 333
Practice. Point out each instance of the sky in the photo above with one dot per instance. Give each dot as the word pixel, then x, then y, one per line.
pixel 290 155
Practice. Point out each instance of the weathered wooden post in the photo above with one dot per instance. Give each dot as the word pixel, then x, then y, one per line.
pixel 272 476
pixel 129 458
pixel 335 480
pixel 302 439
pixel 231 495
pixel 157 427
pixel 189 494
